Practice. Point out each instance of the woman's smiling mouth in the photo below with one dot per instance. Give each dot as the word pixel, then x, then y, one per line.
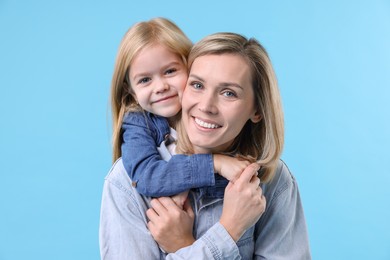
pixel 205 124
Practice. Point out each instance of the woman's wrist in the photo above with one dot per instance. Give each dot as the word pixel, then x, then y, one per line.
pixel 234 230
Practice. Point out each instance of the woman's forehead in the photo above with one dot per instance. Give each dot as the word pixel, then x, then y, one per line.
pixel 229 68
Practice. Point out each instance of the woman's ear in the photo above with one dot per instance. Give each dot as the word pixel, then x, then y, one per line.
pixel 256 117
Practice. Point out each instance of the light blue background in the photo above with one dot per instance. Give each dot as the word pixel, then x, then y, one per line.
pixel 56 60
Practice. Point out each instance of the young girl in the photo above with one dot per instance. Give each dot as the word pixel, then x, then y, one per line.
pixel 149 78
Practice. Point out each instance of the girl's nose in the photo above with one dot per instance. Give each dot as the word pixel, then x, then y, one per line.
pixel 161 86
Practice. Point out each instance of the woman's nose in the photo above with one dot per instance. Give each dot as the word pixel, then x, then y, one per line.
pixel 208 105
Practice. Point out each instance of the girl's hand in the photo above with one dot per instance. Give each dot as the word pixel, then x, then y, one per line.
pixel 229 167
pixel 243 203
pixel 170 225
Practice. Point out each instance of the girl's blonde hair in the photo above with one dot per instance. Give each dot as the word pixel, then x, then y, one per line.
pixel 140 35
pixel 262 141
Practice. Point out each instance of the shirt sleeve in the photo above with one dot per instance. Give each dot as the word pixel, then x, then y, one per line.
pixel 151 175
pixel 281 232
pixel 216 243
pixel 123 232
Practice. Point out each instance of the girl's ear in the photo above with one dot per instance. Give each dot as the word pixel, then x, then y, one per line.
pixel 256 117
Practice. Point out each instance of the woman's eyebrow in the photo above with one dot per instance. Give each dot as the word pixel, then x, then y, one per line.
pixel 196 77
pixel 230 84
pixel 221 84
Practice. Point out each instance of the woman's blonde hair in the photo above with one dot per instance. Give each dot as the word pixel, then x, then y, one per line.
pixel 139 36
pixel 262 141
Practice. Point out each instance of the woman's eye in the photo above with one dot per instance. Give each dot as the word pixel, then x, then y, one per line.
pixel 144 80
pixel 229 93
pixel 196 85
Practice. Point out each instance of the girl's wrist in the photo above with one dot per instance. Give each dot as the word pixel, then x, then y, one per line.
pixel 217 163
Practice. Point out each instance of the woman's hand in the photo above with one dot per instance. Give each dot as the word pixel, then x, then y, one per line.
pixel 180 198
pixel 243 203
pixel 170 225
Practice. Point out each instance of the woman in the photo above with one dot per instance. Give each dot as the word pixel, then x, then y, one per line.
pixel 231 105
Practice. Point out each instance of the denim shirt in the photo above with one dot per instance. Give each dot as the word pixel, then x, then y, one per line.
pixel 280 233
pixel 143 133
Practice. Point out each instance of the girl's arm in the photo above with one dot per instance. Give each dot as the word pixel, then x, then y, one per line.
pixel 151 175
pixel 229 167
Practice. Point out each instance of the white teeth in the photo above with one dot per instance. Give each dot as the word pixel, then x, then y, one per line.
pixel 206 125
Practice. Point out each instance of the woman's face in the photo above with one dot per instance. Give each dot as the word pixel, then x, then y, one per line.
pixel 217 101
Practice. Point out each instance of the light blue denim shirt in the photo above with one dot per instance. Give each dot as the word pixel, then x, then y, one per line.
pixel 279 234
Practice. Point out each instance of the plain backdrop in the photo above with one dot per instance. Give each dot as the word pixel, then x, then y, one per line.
pixel 332 59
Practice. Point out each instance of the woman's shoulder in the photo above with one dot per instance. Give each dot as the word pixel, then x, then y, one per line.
pixel 283 173
pixel 282 181
pixel 118 177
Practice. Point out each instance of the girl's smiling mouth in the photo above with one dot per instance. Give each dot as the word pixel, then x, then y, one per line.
pixel 164 98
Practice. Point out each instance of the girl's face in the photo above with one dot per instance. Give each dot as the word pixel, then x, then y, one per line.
pixel 158 77
pixel 217 101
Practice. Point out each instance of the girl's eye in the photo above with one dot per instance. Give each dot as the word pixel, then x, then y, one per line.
pixel 144 80
pixel 228 93
pixel 170 71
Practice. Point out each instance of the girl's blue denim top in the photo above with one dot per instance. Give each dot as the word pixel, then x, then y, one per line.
pixel 143 135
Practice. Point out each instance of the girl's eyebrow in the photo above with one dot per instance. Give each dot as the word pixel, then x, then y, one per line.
pixel 222 84
pixel 173 63
pixel 143 74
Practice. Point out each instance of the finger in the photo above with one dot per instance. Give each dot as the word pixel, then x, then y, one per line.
pixel 158 207
pixel 152 215
pixel 150 225
pixel 264 200
pixel 168 203
pixel 152 228
pixel 247 174
pixel 259 191
pixel 187 208
pixel 229 186
pixel 255 180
